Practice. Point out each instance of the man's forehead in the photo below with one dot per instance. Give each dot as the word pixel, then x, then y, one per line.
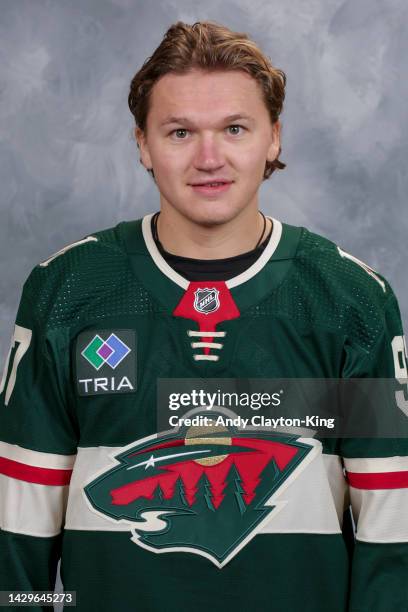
pixel 198 75
pixel 196 82
pixel 196 95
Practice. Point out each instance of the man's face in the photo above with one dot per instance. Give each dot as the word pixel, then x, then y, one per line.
pixel 208 126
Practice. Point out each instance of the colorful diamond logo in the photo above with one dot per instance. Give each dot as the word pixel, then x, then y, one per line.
pixel 111 351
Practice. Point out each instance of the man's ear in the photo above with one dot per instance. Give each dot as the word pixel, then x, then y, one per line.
pixel 143 148
pixel 273 150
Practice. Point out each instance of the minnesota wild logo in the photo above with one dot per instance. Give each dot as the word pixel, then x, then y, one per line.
pixel 204 490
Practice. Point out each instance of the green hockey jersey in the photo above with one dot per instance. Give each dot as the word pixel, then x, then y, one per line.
pixel 147 520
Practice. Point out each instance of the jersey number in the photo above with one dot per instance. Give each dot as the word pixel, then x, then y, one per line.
pixel 22 337
pixel 399 351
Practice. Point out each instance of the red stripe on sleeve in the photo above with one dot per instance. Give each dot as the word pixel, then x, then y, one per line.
pixel 380 480
pixel 30 473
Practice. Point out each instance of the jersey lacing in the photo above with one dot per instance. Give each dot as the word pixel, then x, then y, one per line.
pixel 211 345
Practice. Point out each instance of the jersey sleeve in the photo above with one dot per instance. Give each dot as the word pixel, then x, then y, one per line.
pixel 37 452
pixel 377 475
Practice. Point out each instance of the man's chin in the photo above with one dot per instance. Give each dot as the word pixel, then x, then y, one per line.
pixel 207 213
pixel 211 214
pixel 211 220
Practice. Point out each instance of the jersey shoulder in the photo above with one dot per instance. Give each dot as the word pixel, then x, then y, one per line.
pixel 340 272
pixel 331 290
pixel 60 289
pixel 102 242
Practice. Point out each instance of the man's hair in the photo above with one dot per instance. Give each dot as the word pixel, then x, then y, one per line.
pixel 209 46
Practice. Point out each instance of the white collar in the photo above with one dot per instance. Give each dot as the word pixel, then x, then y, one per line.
pixel 162 264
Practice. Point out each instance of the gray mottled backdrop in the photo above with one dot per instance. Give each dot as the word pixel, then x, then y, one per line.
pixel 69 166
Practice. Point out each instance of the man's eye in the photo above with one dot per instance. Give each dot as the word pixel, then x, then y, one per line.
pixel 235 127
pixel 183 133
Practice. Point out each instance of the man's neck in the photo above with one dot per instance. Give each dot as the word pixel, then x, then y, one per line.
pixel 180 236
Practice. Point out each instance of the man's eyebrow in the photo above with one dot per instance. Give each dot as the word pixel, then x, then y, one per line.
pixel 187 121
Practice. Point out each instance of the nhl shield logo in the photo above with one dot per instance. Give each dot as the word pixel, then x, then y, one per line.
pixel 206 300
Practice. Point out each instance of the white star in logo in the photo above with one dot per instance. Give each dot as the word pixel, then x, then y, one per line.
pixel 150 462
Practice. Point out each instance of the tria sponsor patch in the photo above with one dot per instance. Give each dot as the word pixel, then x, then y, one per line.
pixel 106 361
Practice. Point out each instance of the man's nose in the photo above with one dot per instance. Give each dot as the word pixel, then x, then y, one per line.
pixel 209 154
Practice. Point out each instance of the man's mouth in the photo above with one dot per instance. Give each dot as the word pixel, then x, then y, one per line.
pixel 215 181
pixel 211 187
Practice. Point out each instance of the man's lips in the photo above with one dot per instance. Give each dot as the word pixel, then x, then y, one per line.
pixel 210 182
pixel 211 188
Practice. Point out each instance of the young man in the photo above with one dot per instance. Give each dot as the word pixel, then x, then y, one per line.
pixel 187 518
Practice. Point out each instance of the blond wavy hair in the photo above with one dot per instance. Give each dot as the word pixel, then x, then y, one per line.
pixel 207 45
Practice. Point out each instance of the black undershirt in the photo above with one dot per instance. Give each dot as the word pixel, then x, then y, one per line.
pixel 209 269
